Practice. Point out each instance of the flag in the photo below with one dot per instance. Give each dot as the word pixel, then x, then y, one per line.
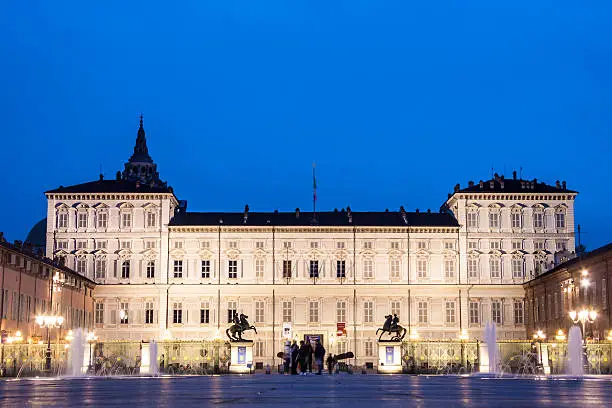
pixel 314 183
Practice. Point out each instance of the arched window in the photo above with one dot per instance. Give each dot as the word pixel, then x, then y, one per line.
pixel 150 269
pixel 125 270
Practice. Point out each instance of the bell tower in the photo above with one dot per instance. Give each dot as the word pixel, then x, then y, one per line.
pixel 140 167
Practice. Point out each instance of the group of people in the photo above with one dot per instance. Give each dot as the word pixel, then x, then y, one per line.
pixel 302 357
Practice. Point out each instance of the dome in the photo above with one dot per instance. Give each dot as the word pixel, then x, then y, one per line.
pixel 38 234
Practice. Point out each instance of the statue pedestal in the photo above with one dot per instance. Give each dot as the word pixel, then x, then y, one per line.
pixel 390 357
pixel 241 360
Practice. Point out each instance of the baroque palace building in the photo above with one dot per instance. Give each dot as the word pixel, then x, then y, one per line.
pixel 165 272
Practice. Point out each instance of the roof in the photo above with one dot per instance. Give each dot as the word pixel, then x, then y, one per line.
pixel 324 219
pixel 577 260
pixel 513 186
pixel 111 186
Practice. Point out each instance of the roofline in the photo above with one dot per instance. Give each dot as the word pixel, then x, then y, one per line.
pixel 449 199
pixel 50 193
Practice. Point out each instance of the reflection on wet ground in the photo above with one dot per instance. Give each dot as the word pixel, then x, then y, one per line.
pixel 266 390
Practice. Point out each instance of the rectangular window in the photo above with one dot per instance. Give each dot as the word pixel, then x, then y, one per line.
pixel 560 220
pixel 61 244
pixel 205 244
pixel 449 268
pixel 313 312
pixel 81 245
pixel 126 244
pixel 99 315
pixel 314 245
pixel 496 312
pixel 177 313
pixel 259 245
pixel 368 348
pixel 314 269
pixel 259 268
pixel 150 269
pixel 231 311
pixel 102 220
pixel 341 269
pixel 233 244
pixel 125 270
pixel 422 312
pixel 472 244
pixel 604 294
pixel 516 220
pixel 204 313
pixel 151 219
pixel 286 268
pixel 232 269
pixel 340 311
pixel 100 268
pixel 449 245
pixel 538 220
pixel 124 313
pixel 517 268
pixel 394 245
pixel 149 313
pixel 395 307
pixel 368 311
pixel 340 245
pixel 561 245
pixel 368 268
pixel 82 220
pixel 101 244
pixel 516 245
pixel 395 268
pixel 126 220
pixel 287 312
pixel 495 245
pixel 287 245
pixel 539 245
pixel 450 313
pixel 367 245
pixel 178 244
pixel 518 312
pixel 472 267
pixel 62 220
pixel 472 219
pixel 258 349
pixel 495 267
pixel 81 266
pixel 474 313
pixel 259 311
pixel 422 268
pixel 178 268
pixel 494 220
pixel 421 244
pixel 205 268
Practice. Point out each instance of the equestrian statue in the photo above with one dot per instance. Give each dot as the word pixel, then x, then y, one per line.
pixel 392 327
pixel 239 325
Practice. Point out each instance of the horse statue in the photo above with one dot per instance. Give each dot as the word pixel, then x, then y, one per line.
pixel 392 327
pixel 240 325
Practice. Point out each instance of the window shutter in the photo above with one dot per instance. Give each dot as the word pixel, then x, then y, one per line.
pixel 186 262
pixel 115 268
pixel 242 268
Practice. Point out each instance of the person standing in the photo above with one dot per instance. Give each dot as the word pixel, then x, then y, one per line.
pixel 287 357
pixel 330 364
pixel 302 357
pixel 319 354
pixel 309 353
pixel 294 357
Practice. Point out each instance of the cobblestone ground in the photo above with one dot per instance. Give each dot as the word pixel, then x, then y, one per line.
pixel 342 390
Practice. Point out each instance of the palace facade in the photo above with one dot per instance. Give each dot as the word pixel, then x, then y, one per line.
pixel 165 272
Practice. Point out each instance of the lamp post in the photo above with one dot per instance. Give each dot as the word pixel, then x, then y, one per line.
pixel 91 339
pixel 583 316
pixel 49 322
pixel 539 337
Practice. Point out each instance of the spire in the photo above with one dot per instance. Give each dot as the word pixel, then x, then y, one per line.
pixel 141 152
pixel 140 167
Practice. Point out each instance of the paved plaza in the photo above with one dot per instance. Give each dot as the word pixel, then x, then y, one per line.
pixel 277 390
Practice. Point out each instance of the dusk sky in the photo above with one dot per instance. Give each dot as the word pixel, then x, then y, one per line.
pixel 395 102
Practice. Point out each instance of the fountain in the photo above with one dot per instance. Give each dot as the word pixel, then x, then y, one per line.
pixel 78 345
pixel 154 370
pixel 575 365
pixel 490 337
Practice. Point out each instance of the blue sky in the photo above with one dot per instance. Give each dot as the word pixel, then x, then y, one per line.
pixel 395 102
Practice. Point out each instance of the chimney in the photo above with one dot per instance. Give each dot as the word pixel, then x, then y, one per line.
pixel 564 185
pixel 558 184
pixel 416 211
pixel 118 176
pixel 336 210
pixel 101 176
pixel 246 213
pixel 514 174
pixel 501 184
pixel 470 183
pixel 350 214
pixel 522 184
pixel 457 188
pixel 297 213
pixel 492 184
pixel 496 176
pixel 481 184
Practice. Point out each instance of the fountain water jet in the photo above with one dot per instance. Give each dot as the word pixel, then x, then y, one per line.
pixel 490 337
pixel 78 345
pixel 575 365
pixel 153 359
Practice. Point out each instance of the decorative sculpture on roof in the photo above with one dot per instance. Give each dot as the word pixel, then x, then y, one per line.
pixel 392 327
pixel 240 325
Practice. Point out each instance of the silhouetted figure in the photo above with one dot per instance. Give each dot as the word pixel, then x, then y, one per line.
pixel 319 354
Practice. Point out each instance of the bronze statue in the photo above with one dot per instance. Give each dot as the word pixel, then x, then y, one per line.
pixel 392 327
pixel 240 325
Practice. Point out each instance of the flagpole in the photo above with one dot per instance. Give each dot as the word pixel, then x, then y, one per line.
pixel 314 193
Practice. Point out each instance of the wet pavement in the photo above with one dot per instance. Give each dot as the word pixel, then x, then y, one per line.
pixel 343 390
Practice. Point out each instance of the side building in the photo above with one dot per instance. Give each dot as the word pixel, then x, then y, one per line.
pixel 165 272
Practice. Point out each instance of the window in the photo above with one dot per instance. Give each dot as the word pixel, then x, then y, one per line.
pixel 81 265
pixel 368 311
pixel 472 244
pixel 539 245
pixel 313 312
pixel 449 245
pixel 259 349
pixel 232 269
pixel 150 244
pixel 494 220
pixel 177 313
pixel 395 268
pixel 495 245
pixel 126 220
pixel 472 267
pixel 151 269
pixel 126 244
pixel 231 311
pixel 259 311
pixel 101 244
pixel 422 268
pixel 518 312
pixel 102 220
pixel 494 264
pixel 259 245
pixel 515 218
pixel 561 245
pixel 81 245
pixel 367 245
pixel 450 312
pixel 82 220
pixel 178 244
pixel 149 313
pixel 341 311
pixel 233 244
pixel 125 270
pixel 368 268
pixel 124 313
pixel 286 269
pixel 421 244
pixel 538 220
pixel 395 307
pixel 604 294
pixel 100 266
pixel 204 313
pixel 449 268
pixel 99 314
pixel 496 312
pixel 422 312
pixel 340 245
pixel 178 268
pixel 314 269
pixel 151 219
pixel 395 245
pixel 474 313
pixel 205 268
pixel 516 245
pixel 341 269
pixel 287 245
pixel 368 349
pixel 560 220
pixel 62 220
pixel 287 312
pixel 314 245
pixel 472 219
pixel 61 244
pixel 517 268
pixel 205 244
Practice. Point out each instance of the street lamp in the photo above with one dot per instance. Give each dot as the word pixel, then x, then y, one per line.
pixel 91 339
pixel 583 316
pixel 539 337
pixel 49 322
